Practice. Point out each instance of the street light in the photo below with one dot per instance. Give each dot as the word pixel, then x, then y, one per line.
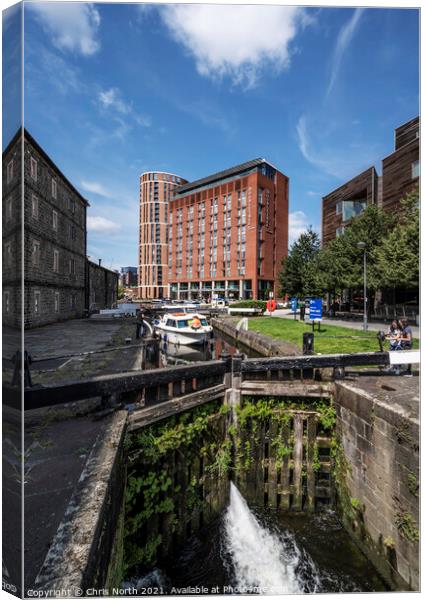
pixel 362 246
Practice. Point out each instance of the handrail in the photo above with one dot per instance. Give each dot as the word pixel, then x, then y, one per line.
pixel 107 385
pixel 315 361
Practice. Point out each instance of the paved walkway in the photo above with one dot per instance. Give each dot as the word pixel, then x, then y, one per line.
pixel 287 314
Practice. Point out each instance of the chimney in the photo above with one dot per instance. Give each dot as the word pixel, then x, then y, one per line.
pixel 100 261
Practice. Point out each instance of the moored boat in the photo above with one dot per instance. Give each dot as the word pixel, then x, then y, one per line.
pixel 183 328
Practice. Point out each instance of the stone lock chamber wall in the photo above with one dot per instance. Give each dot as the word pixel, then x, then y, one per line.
pixel 377 479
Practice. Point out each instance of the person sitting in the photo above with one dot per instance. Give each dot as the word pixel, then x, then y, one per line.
pixel 394 336
pixel 406 340
pixel 196 323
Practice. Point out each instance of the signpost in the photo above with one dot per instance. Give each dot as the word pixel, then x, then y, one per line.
pixel 294 306
pixel 315 312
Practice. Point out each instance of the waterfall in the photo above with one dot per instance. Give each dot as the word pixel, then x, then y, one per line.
pixel 262 560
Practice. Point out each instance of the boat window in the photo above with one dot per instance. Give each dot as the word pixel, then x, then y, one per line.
pixel 171 323
pixel 182 324
pixel 203 322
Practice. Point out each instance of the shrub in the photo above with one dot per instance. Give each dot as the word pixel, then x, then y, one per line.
pixel 249 304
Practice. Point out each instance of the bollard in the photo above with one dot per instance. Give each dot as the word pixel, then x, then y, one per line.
pixel 308 343
pixel 302 312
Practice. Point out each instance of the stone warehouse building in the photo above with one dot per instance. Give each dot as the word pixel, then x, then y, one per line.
pixel 400 173
pixel 228 233
pixel 56 270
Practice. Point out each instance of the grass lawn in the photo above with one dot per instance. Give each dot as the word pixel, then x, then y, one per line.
pixel 292 331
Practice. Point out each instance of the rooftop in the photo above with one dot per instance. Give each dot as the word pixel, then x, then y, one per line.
pixel 221 175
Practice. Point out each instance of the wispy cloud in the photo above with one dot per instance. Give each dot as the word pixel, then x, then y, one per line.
pixel 330 155
pixel 95 187
pixel 236 41
pixel 298 223
pixel 72 26
pixel 112 100
pixel 102 225
pixel 343 40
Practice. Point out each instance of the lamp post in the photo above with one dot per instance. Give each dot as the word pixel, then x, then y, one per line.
pixel 362 246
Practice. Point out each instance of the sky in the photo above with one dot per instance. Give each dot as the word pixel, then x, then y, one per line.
pixel 112 90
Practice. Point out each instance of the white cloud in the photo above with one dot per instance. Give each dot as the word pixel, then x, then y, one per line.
pixel 343 40
pixel 297 224
pixel 73 26
pixel 235 40
pixel 112 99
pixel 102 225
pixel 96 188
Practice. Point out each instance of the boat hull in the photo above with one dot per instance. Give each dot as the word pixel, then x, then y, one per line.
pixel 185 338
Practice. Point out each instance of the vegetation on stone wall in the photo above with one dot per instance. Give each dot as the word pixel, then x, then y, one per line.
pixel 152 491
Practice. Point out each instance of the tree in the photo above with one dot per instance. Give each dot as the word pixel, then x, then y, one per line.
pixel 299 275
pixel 397 257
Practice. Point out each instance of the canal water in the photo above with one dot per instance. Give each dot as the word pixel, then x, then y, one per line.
pixel 264 552
pixel 172 354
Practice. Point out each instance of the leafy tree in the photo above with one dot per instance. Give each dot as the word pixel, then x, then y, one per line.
pixel 397 257
pixel 120 294
pixel 299 275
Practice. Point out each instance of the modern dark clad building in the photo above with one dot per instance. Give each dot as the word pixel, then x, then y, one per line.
pixel 401 169
pixel 400 173
pixel 348 201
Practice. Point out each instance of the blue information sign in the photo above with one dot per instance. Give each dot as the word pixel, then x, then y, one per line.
pixel 315 309
pixel 294 305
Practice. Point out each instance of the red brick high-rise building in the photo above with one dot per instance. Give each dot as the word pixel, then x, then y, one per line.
pixel 228 233
pixel 156 191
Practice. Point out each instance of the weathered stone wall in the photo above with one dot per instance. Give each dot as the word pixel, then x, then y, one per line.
pixel 11 234
pixel 101 287
pixel 177 484
pixel 263 344
pixel 87 549
pixel 377 475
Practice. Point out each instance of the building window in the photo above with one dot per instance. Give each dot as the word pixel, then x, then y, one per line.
pixel 56 302
pixel 339 208
pixel 72 301
pixel 54 188
pixel 56 261
pixel 8 254
pixel 9 209
pixel 35 258
pixel 36 303
pixel 72 206
pixel 72 232
pixel 9 172
pixel 72 266
pixel 33 169
pixel 339 231
pixel 54 220
pixel 34 206
pixel 6 302
pixel 415 169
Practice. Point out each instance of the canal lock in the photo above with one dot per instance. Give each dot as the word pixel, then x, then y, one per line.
pixel 278 452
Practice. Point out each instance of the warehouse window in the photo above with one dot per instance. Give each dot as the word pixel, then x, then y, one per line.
pixel 34 206
pixel 9 175
pixel 33 169
pixel 6 302
pixel 36 303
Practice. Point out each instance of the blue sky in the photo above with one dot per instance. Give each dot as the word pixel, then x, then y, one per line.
pixel 113 90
